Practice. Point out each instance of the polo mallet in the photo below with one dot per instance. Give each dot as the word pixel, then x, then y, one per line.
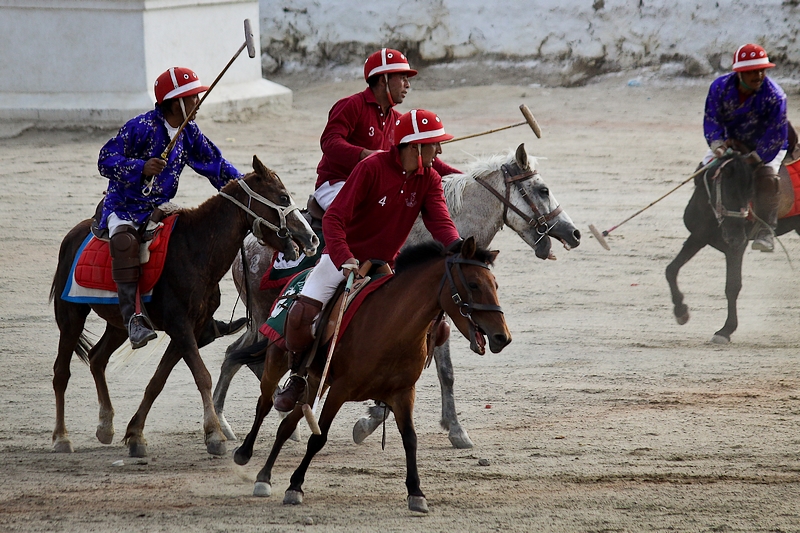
pixel 601 236
pixel 251 51
pixel 529 120
pixel 310 412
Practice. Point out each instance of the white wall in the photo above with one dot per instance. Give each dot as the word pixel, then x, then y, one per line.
pixel 610 34
pixel 67 62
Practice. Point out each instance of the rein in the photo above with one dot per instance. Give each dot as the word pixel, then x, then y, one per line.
pixel 465 307
pixel 719 210
pixel 281 231
pixel 538 220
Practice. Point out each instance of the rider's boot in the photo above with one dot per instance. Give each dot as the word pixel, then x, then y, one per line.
pixel 124 247
pixel 766 207
pixel 299 336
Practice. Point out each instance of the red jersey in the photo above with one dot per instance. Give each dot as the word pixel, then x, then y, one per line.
pixel 355 123
pixel 372 215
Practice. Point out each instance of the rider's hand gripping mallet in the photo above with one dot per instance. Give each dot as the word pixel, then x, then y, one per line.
pixel 529 120
pixel 601 236
pixel 251 51
pixel 310 412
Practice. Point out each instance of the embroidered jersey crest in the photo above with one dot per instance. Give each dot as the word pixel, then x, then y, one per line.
pixel 411 201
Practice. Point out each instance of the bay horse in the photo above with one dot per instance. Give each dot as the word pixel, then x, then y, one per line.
pixel 718 214
pixel 520 199
pixel 202 246
pixel 381 354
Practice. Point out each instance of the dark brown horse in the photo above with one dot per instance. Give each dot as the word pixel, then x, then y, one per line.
pixel 380 356
pixel 202 247
pixel 717 215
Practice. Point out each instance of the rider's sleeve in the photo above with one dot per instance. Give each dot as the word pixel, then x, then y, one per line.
pixel 777 131
pixel 205 158
pixel 342 119
pixel 115 161
pixel 712 123
pixel 443 168
pixel 340 212
pixel 435 214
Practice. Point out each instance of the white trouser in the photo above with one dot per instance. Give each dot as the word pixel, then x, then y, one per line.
pixel 327 192
pixel 775 164
pixel 115 223
pixel 321 283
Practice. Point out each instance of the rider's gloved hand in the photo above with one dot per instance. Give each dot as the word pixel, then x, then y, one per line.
pixel 718 148
pixel 350 265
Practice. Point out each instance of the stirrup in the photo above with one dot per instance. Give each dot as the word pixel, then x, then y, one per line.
pixel 140 332
pixel 764 241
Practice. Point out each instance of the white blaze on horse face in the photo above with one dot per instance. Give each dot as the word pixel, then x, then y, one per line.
pixel 298 224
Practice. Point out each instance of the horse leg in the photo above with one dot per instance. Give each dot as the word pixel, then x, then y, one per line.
pixel 287 427
pixel 444 368
pixel 226 374
pixel 98 360
pixel 403 406
pixel 733 285
pixel 691 246
pixel 334 402
pixel 70 319
pixel 213 436
pixel 366 425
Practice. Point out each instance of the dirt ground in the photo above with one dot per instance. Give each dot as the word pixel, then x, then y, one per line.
pixel 602 415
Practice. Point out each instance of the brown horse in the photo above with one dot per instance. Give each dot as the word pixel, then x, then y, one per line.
pixel 380 356
pixel 202 247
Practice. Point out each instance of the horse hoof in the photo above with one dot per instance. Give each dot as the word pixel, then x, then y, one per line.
pixel 417 504
pixel 137 450
pixel 460 439
pixel 262 489
pixel 105 434
pixel 216 447
pixel 683 319
pixel 62 446
pixel 719 339
pixel 293 497
pixel 363 428
pixel 239 457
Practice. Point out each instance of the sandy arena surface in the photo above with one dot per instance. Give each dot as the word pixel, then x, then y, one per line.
pixel 602 415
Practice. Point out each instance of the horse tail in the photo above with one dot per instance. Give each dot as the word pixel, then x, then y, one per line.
pixel 83 347
pixel 255 353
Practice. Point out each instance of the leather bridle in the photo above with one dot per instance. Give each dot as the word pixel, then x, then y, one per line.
pixel 468 305
pixel 281 231
pixel 538 220
pixel 719 210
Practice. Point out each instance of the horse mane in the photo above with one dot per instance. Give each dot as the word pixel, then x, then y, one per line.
pixel 454 185
pixel 190 215
pixel 418 254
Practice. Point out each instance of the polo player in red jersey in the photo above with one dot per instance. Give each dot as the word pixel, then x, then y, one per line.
pixel 363 123
pixel 371 218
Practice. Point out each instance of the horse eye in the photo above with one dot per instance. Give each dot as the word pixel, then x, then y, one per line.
pixel 284 199
pixel 544 191
pixel 473 285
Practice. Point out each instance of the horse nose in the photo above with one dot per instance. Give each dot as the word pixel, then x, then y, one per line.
pixel 577 234
pixel 499 341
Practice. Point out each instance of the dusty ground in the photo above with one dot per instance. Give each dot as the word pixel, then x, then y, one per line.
pixel 602 415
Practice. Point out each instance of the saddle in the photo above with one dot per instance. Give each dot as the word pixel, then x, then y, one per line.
pixel 371 276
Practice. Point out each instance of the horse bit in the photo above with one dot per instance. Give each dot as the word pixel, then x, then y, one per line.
pixel 281 231
pixel 720 212
pixel 465 307
pixel 538 220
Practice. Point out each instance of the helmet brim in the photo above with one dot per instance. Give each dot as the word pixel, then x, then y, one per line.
pixel 748 68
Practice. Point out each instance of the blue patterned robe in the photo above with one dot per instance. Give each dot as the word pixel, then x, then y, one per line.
pixel 760 122
pixel 123 157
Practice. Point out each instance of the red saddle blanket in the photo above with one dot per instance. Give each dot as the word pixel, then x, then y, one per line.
pixel 794 174
pixel 93 267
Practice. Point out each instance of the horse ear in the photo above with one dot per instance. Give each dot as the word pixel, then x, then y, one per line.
pixel 521 156
pixel 259 167
pixel 468 248
pixel 492 256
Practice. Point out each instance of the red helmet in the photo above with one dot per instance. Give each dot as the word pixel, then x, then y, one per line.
pixel 177 82
pixel 750 57
pixel 387 61
pixel 420 127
